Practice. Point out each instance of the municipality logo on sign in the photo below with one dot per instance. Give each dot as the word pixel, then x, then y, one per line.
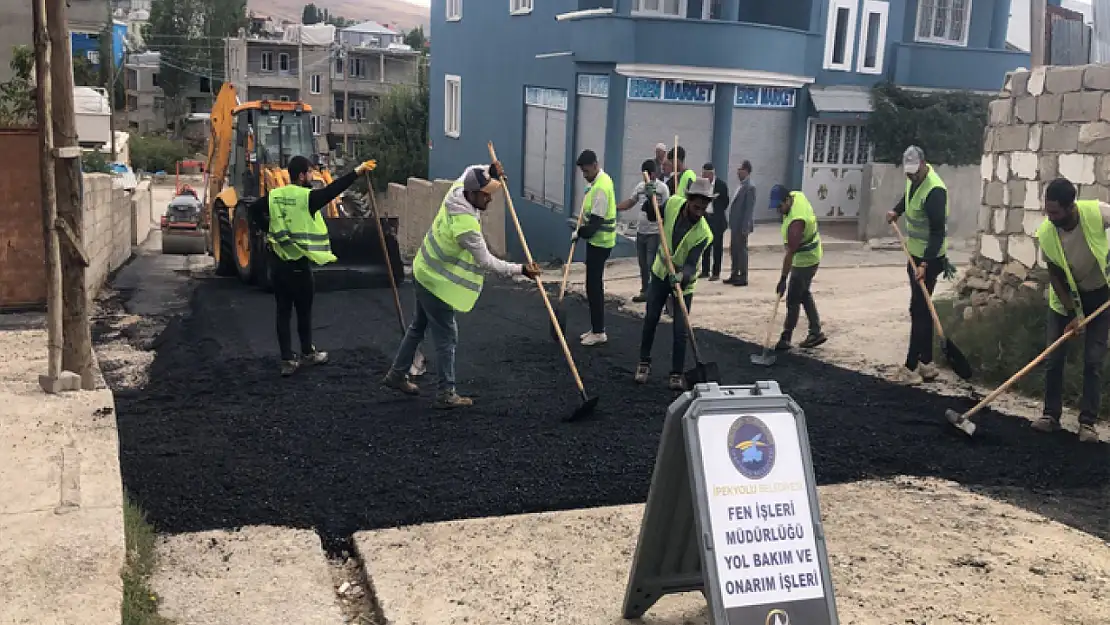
pixel 777 617
pixel 751 447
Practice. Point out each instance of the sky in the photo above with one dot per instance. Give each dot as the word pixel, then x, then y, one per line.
pixel 1018 33
pixel 422 3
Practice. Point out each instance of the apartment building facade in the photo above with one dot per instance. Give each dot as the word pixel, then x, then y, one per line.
pixel 85 17
pixel 783 84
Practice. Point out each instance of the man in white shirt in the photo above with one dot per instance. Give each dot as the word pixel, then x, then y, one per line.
pixel 647 229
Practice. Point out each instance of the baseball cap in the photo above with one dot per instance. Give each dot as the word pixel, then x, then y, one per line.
pixel 912 159
pixel 661 146
pixel 476 179
pixel 702 187
pixel 778 194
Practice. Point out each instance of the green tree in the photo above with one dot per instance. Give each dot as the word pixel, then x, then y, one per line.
pixel 399 138
pixel 84 73
pixel 17 96
pixel 948 126
pixel 189 34
pixel 311 15
pixel 416 39
pixel 152 153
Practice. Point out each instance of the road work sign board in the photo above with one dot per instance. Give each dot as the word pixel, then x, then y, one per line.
pixel 733 512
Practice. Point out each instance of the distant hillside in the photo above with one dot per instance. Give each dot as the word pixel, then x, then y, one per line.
pixel 397 13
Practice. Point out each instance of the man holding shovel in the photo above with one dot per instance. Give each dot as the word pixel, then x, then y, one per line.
pixel 647 230
pixel 799 265
pixel 447 279
pixel 925 207
pixel 688 234
pixel 1075 248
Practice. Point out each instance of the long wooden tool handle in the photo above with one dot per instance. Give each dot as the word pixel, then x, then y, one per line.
pixel 678 295
pixel 385 253
pixel 771 323
pixel 570 257
pixel 920 283
pixel 1036 361
pixel 539 282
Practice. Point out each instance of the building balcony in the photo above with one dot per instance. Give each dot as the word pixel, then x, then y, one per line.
pixel 930 66
pixel 362 86
pixel 609 38
pixel 274 80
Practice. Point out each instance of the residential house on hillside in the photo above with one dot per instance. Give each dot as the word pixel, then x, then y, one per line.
pixel 145 110
pixel 85 18
pixel 783 84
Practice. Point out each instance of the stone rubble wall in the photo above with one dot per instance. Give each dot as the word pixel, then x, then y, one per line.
pixel 1046 123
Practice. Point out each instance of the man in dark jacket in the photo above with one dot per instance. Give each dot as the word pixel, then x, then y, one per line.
pixel 717 217
pixel 742 223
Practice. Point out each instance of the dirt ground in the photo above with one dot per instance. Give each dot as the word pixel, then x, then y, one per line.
pixel 925 525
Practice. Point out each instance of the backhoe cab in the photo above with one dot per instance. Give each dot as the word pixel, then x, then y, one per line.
pixel 250 145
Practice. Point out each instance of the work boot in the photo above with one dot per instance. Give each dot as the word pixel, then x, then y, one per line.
pixel 593 339
pixel 783 346
pixel 704 274
pixel 643 370
pixel 400 382
pixel 928 371
pixel 740 282
pixel 715 277
pixel 289 367
pixel 676 382
pixel 908 377
pixel 314 357
pixel 814 340
pixel 448 400
pixel 1088 434
pixel 641 298
pixel 1048 424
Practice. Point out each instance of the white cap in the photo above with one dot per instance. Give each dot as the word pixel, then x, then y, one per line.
pixel 661 146
pixel 912 159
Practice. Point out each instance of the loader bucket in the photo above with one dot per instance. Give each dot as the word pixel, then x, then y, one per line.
pixel 361 263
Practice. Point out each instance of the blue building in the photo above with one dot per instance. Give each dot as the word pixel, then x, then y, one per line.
pixel 781 83
pixel 87 43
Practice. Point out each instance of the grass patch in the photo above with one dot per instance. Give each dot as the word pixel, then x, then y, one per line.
pixel 140 604
pixel 1000 341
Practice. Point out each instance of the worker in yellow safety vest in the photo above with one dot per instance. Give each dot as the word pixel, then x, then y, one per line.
pixel 599 230
pixel 683 177
pixel 925 207
pixel 448 278
pixel 799 265
pixel 1076 251
pixel 297 239
pixel 688 234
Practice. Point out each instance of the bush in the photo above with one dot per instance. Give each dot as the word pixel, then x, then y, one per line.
pixel 152 153
pixel 999 343
pixel 948 126
pixel 95 162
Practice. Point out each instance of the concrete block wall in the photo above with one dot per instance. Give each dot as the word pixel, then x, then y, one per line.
pixel 416 204
pixel 885 184
pixel 1046 123
pixel 143 217
pixel 107 234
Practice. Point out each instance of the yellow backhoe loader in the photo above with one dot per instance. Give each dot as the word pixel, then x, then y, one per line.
pixel 249 146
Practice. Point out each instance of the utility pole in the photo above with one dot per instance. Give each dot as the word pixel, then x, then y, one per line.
pixel 1037 32
pixel 109 36
pixel 346 100
pixel 48 382
pixel 77 347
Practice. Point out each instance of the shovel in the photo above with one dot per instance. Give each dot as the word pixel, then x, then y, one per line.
pixel 419 366
pixel 588 403
pixel 703 372
pixel 768 357
pixel 964 422
pixel 559 315
pixel 952 354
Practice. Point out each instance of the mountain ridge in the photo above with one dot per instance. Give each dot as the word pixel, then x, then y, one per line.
pixel 397 14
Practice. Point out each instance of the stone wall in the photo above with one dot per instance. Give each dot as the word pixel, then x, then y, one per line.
pixel 1046 123
pixel 415 205
pixel 107 229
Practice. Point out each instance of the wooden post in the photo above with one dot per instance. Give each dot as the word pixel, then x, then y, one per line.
pixel 77 348
pixel 1037 32
pixel 49 202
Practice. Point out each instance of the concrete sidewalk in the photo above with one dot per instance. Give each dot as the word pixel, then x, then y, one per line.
pixel 61 499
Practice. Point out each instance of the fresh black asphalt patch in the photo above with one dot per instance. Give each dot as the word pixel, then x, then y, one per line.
pixel 218 440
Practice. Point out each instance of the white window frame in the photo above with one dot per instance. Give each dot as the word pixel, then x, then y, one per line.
pixel 454 10
pixel 452 106
pixel 266 54
pixel 356 67
pixel 358 110
pixel 288 63
pixel 850 34
pixel 929 7
pixel 519 7
pixel 882 9
pixel 316 84
pixel 317 125
pixel 638 8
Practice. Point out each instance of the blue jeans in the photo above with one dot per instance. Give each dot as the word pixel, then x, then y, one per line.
pixel 647 246
pixel 436 315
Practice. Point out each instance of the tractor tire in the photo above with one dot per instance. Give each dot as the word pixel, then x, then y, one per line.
pixel 244 248
pixel 223 247
pixel 263 277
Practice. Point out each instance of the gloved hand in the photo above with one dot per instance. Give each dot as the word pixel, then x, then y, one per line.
pixel 531 270
pixel 574 237
pixel 496 171
pixel 672 280
pixel 366 166
pixel 1073 325
pixel 780 288
pixel 649 191
pixel 949 270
